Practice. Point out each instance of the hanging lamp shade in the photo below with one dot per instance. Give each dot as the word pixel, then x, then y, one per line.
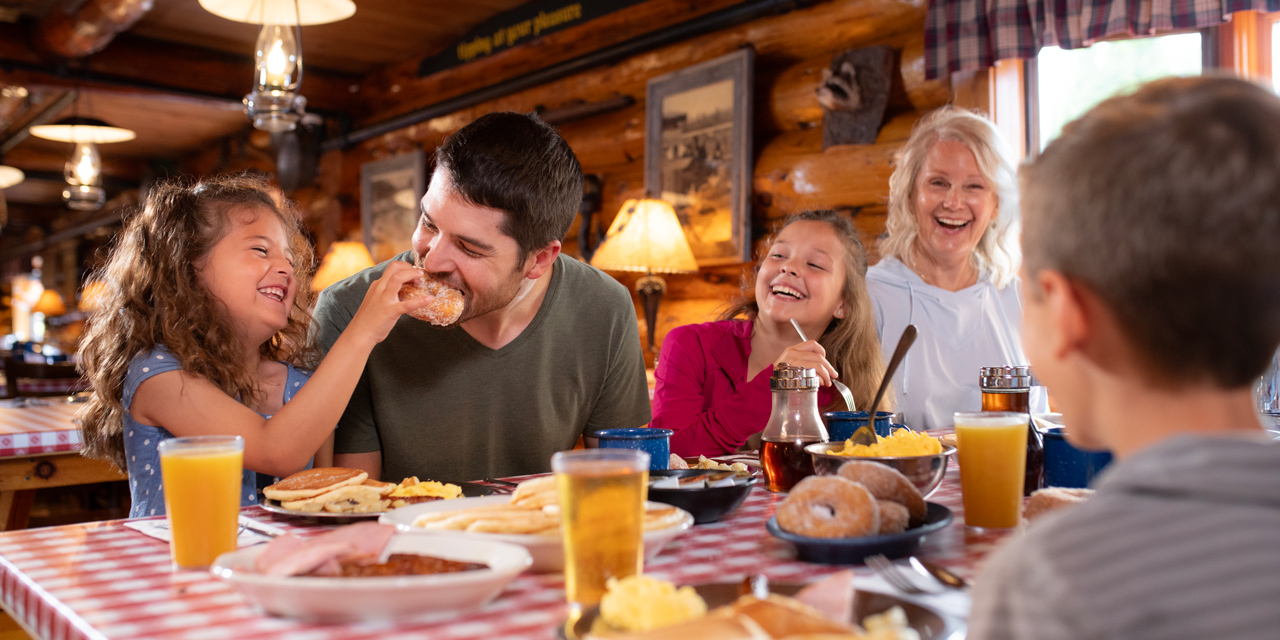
pixel 281 11
pixel 78 129
pixel 343 259
pixel 10 176
pixel 646 236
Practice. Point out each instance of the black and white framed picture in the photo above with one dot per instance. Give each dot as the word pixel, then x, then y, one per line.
pixel 389 193
pixel 698 153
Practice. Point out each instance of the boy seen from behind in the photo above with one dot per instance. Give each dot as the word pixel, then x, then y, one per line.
pixel 1151 275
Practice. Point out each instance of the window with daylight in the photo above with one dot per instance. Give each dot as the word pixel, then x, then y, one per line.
pixel 1068 83
pixel 1275 51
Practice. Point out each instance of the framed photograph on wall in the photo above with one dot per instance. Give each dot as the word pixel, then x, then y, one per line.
pixel 697 153
pixel 389 193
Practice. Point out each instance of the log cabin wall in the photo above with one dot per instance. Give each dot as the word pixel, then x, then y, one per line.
pixel 791 170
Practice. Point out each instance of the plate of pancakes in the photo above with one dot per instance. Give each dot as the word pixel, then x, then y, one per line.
pixel 529 517
pixel 336 495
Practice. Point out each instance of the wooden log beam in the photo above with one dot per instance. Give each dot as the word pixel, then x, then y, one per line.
pixel 399 89
pixel 150 66
pixel 828 26
pixel 77 28
pixel 793 173
pixel 791 104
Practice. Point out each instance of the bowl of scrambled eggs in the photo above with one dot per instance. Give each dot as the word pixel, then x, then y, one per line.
pixel 919 456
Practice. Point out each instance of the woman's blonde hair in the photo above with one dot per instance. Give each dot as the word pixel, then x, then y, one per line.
pixel 851 342
pixel 154 296
pixel 997 255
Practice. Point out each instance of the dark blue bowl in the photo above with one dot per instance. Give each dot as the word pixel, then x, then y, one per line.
pixel 708 504
pixel 853 550
pixel 842 424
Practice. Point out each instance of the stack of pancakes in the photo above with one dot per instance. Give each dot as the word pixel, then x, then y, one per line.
pixel 332 489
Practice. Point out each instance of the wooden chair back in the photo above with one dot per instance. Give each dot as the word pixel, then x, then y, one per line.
pixel 15 369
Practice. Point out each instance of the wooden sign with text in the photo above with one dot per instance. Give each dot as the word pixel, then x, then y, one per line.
pixel 518 26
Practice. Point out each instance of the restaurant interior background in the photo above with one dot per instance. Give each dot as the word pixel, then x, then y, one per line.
pixel 175 75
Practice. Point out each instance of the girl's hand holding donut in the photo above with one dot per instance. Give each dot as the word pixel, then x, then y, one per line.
pixel 810 355
pixel 382 306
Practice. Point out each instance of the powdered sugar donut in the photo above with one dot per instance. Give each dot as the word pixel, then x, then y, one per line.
pixel 444 309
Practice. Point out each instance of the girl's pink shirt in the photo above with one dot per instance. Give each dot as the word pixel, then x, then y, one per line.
pixel 702 392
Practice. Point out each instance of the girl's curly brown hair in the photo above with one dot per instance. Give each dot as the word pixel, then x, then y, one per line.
pixel 154 297
pixel 851 342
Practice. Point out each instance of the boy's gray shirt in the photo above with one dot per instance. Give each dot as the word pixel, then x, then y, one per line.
pixel 1181 540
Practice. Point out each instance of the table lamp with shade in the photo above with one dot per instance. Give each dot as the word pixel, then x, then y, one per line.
pixel 646 236
pixel 50 304
pixel 344 259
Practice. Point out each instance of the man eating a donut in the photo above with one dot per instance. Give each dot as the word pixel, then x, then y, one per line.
pixel 1151 234
pixel 536 348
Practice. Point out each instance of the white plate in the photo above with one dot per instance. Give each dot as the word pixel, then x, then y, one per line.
pixel 351 599
pixel 547 550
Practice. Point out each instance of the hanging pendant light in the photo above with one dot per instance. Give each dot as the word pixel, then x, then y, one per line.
pixel 77 129
pixel 83 171
pixel 10 176
pixel 274 103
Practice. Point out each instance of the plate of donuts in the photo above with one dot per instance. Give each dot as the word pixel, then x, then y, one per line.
pixel 865 509
pixel 853 550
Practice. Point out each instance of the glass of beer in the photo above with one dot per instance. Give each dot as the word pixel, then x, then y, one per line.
pixel 602 493
pixel 202 496
pixel 993 458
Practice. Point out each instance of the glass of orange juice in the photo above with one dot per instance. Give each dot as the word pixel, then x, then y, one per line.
pixel 602 493
pixel 993 460
pixel 202 496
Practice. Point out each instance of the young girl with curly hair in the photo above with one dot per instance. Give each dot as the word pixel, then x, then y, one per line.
pixel 203 331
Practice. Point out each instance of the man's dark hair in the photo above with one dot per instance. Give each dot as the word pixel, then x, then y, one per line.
pixel 520 165
pixel 1166 203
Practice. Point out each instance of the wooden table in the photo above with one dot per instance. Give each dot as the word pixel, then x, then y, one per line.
pixel 103 580
pixel 39 448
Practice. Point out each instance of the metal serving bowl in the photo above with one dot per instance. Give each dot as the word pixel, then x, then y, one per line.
pixel 925 472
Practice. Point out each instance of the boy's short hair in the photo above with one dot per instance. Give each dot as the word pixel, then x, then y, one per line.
pixel 521 166
pixel 1166 204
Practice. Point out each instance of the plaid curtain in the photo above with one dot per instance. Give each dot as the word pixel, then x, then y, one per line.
pixel 968 35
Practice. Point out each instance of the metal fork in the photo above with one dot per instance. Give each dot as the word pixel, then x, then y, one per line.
pixel 896 576
pixel 839 386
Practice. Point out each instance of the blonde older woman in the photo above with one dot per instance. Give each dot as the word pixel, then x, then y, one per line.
pixel 949 266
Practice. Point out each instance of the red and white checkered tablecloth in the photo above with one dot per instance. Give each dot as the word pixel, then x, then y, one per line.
pixel 45 428
pixel 40 385
pixel 103 580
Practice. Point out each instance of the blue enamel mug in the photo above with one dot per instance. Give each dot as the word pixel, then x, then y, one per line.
pixel 1067 466
pixel 842 424
pixel 655 442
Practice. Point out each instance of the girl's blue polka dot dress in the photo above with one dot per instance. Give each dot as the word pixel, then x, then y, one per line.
pixel 141 442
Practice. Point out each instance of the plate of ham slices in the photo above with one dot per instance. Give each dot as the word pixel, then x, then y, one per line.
pixel 367 571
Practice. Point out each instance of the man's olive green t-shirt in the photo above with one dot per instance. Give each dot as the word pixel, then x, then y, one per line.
pixel 441 406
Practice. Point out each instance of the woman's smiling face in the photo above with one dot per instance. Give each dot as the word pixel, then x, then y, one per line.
pixel 954 203
pixel 802 275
